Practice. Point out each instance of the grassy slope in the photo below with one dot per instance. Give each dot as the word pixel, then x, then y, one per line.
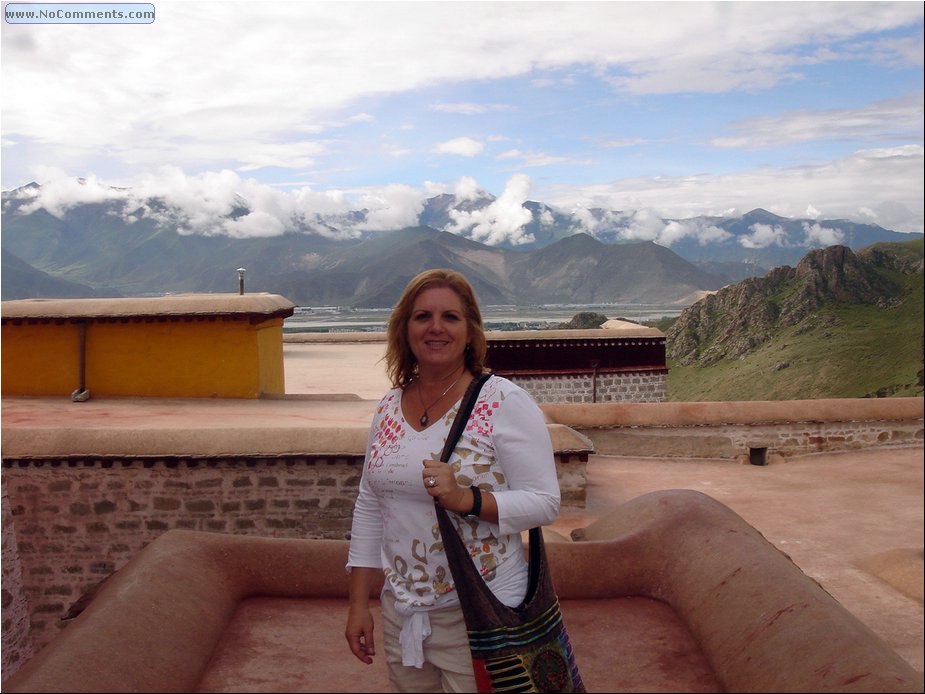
pixel 844 351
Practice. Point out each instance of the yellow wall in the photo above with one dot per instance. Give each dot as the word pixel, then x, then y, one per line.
pixel 40 359
pixel 270 356
pixel 189 356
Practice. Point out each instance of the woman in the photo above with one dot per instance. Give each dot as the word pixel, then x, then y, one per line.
pixel 436 347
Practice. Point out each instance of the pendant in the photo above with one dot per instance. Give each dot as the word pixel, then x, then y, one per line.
pixel 424 419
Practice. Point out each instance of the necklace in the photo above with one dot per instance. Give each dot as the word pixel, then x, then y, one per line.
pixel 424 417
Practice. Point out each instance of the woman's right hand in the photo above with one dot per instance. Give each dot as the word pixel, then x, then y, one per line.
pixel 359 631
pixel 359 634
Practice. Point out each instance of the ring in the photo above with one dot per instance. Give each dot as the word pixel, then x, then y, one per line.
pixel 431 481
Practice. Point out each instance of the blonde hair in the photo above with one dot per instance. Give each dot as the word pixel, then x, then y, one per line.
pixel 401 364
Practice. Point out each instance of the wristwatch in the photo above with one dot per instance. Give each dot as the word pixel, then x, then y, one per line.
pixel 476 503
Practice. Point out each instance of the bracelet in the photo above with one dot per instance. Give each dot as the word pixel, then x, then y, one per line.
pixel 476 503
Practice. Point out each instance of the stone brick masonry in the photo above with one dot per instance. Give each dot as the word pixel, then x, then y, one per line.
pixel 72 523
pixel 639 386
pixel 78 521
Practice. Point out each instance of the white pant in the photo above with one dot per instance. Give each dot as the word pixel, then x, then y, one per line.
pixel 447 659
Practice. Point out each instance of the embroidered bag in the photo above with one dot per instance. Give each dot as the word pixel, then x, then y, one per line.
pixel 514 649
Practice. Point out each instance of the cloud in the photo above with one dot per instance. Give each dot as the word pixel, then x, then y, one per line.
pixel 226 203
pixel 714 48
pixel 395 150
pixel 900 118
pixel 470 109
pixel 252 225
pixel 646 225
pixel 325 96
pixel 391 207
pixel 179 92
pixel 585 220
pixel 642 225
pixel 882 186
pixel 501 221
pixel 462 146
pixel 895 51
pixel 764 235
pixel 432 188
pixel 818 235
pixel 291 155
pixel 536 158
pixel 204 203
pixel 467 188
pixel 60 193
pixel 704 233
pixel 627 142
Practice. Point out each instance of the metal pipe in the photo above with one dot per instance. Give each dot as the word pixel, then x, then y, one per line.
pixel 81 394
pixel 594 364
pixel 241 272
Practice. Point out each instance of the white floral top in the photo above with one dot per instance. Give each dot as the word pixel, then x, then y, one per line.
pixel 505 449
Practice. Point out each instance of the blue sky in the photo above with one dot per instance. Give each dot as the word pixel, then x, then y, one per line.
pixel 680 109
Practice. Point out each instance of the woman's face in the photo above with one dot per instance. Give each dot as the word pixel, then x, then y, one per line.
pixel 437 329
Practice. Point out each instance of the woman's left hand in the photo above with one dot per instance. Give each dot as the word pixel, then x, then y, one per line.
pixel 440 483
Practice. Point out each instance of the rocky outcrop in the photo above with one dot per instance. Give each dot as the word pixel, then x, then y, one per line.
pixel 740 317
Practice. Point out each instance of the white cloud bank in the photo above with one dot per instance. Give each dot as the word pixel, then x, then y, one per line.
pixel 231 90
pixel 461 146
pixel 246 86
pixel 502 220
pixel 876 186
pixel 203 203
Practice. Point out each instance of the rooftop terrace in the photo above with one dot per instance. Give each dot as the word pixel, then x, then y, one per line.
pixel 851 521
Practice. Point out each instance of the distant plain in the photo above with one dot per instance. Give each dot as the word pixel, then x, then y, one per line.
pixel 338 319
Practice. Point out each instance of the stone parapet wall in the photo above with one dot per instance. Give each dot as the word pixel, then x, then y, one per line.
pixel 758 445
pixel 666 548
pixel 636 386
pixel 17 642
pixel 73 522
pixel 78 521
pixel 743 430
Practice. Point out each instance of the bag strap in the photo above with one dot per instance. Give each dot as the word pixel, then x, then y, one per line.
pixel 476 598
pixel 462 416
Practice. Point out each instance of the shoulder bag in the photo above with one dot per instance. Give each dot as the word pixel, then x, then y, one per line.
pixel 514 649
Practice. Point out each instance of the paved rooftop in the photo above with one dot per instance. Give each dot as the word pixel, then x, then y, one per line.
pixel 853 521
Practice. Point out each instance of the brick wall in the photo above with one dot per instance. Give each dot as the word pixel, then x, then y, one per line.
pixel 17 643
pixel 639 386
pixel 72 523
pixel 77 521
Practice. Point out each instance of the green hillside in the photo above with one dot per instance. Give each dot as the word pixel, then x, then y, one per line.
pixel 840 350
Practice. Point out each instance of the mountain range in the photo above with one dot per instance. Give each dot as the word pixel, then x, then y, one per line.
pixel 120 247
